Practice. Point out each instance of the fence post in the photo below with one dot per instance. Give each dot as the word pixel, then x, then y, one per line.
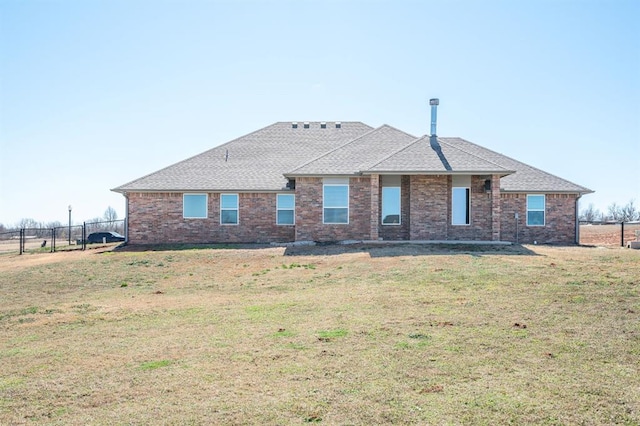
pixel 53 237
pixel 20 241
pixel 84 235
pixel 622 235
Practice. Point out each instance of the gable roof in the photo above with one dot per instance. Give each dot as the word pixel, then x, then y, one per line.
pixel 526 178
pixel 261 161
pixel 434 156
pixel 356 155
pixel 255 162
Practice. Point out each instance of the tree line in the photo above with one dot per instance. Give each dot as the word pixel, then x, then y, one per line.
pixel 614 213
pixel 107 221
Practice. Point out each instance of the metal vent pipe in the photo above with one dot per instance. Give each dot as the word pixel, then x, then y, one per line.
pixel 434 114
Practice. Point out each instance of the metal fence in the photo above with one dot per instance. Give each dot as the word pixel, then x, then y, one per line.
pixel 60 238
pixel 609 233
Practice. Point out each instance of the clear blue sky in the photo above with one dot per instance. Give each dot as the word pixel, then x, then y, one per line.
pixel 94 94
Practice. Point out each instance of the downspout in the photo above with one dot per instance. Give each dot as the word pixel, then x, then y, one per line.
pixel 126 218
pixel 578 220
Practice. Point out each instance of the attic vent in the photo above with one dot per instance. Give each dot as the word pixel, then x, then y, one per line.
pixel 306 124
pixel 323 125
pixel 338 125
pixel 294 125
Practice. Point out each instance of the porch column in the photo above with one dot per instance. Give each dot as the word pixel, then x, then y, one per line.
pixel 375 206
pixel 495 207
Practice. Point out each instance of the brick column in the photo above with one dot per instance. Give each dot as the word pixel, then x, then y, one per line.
pixel 495 208
pixel 375 206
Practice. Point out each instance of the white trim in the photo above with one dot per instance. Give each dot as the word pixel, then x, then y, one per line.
pixel 237 209
pixel 206 205
pixel 335 181
pixel 399 205
pixel 468 205
pixel 324 222
pixel 543 210
pixel 287 209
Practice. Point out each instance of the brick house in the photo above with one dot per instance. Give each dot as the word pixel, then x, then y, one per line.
pixel 332 181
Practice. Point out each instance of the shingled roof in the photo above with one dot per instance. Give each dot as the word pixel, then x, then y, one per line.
pixel 261 161
pixel 434 156
pixel 255 162
pixel 356 155
pixel 526 178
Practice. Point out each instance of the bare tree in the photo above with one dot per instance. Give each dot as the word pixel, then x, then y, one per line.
pixel 110 215
pixel 626 213
pixel 590 214
pixel 614 212
pixel 28 223
pixel 629 212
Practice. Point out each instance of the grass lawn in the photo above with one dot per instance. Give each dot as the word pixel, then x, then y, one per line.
pixel 357 335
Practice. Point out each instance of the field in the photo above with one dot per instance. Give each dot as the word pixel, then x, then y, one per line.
pixel 326 335
pixel 607 235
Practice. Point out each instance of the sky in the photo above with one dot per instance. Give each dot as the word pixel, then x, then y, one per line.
pixel 97 93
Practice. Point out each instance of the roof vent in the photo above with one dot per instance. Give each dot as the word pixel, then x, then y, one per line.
pixel 306 124
pixel 323 124
pixel 338 124
pixel 434 114
pixel 294 125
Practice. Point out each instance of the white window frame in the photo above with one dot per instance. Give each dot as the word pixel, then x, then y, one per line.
pixel 293 209
pixel 543 210
pixel 206 205
pixel 237 209
pixel 399 188
pixel 334 182
pixel 467 206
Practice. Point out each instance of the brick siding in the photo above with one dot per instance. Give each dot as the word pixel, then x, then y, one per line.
pixel 429 215
pixel 425 215
pixel 157 218
pixel 309 226
pixel 479 227
pixel 560 220
pixel 398 232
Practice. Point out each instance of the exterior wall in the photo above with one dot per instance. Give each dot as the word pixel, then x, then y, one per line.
pixel 479 227
pixel 309 226
pixel 429 216
pixel 397 232
pixel 560 220
pixel 157 218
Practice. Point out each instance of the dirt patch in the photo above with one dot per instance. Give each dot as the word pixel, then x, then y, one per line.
pixel 607 235
pixel 15 261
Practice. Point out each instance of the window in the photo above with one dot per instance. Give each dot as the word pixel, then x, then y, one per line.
pixel 285 209
pixel 335 199
pixel 194 206
pixel 535 210
pixel 460 206
pixel 229 209
pixel 391 205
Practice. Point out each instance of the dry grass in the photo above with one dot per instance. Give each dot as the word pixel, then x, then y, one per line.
pixel 405 335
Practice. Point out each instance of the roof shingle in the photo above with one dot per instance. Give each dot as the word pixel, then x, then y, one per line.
pixel 260 161
pixel 256 162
